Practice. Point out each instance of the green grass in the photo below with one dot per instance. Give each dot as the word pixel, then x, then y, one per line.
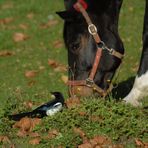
pixel 119 122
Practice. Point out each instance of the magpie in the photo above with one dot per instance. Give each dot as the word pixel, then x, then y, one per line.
pixel 47 109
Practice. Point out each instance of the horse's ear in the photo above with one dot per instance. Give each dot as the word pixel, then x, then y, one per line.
pixel 67 15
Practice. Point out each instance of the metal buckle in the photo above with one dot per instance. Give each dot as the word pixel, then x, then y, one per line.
pixel 89 82
pixel 92 29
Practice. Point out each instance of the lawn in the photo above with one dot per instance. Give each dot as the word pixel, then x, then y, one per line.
pixel 32 64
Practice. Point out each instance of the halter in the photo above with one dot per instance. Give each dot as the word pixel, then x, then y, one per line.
pixel 81 6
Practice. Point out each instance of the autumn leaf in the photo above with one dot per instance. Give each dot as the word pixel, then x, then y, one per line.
pixel 27 124
pixel 6 20
pixel 4 139
pixel 28 104
pixel 23 26
pixel 31 73
pixel 19 37
pixel 58 44
pixel 64 79
pixel 57 66
pixel 35 141
pixel 30 15
pixel 5 53
pixel 49 24
pixel 72 102
pixel 139 143
pixel 52 134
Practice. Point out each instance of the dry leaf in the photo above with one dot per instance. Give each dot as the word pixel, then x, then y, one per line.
pixel 27 124
pixel 139 143
pixel 31 73
pixel 4 139
pixel 64 79
pixel 35 141
pixel 52 134
pixel 57 66
pixel 49 24
pixel 19 37
pixel 23 26
pixel 28 104
pixel 72 102
pixel 85 145
pixel 6 20
pixel 34 134
pixel 58 44
pixel 6 53
pixel 30 16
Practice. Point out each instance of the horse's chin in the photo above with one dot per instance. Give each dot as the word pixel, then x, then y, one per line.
pixel 81 91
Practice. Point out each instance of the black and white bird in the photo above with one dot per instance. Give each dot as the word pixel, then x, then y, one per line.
pixel 47 109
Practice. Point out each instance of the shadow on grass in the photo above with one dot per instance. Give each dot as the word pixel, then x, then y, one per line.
pixel 123 88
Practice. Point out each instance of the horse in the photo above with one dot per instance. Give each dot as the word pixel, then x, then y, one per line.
pixel 95 49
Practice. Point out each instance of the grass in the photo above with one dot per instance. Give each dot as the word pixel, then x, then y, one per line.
pixel 122 123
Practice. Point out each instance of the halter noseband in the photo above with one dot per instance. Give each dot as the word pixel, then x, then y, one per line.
pixel 81 5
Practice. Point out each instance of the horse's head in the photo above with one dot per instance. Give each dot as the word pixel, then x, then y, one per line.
pixel 82 47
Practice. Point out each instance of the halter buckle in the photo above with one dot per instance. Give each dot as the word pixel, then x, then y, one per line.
pixel 92 29
pixel 89 82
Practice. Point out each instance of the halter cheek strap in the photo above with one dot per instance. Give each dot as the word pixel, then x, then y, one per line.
pixel 81 6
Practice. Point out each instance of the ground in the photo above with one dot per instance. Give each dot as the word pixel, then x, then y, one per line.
pixel 33 60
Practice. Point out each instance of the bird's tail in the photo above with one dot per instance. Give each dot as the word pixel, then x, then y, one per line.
pixel 17 117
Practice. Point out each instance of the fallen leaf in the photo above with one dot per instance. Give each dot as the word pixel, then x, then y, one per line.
pixel 5 53
pixel 35 141
pixel 31 73
pixel 64 79
pixel 81 133
pixel 49 24
pixel 72 102
pixel 6 20
pixel 30 16
pixel 23 26
pixel 139 143
pixel 34 134
pixel 58 44
pixel 28 104
pixel 57 66
pixel 31 83
pixel 4 139
pixel 7 5
pixel 52 134
pixel 27 124
pixel 19 37
pixel 85 145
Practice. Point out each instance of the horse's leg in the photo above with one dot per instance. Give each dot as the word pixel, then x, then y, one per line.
pixel 140 87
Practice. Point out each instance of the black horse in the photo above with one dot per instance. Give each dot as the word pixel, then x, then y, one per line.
pixel 82 47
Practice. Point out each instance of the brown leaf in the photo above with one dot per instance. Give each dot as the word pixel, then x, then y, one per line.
pixel 23 26
pixel 52 63
pixel 72 102
pixel 4 139
pixel 139 143
pixel 35 141
pixel 21 133
pixel 19 37
pixel 58 44
pixel 49 24
pixel 6 20
pixel 5 53
pixel 81 133
pixel 64 79
pixel 101 140
pixel 57 66
pixel 31 73
pixel 85 145
pixel 34 134
pixel 52 134
pixel 30 16
pixel 28 104
pixel 27 124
